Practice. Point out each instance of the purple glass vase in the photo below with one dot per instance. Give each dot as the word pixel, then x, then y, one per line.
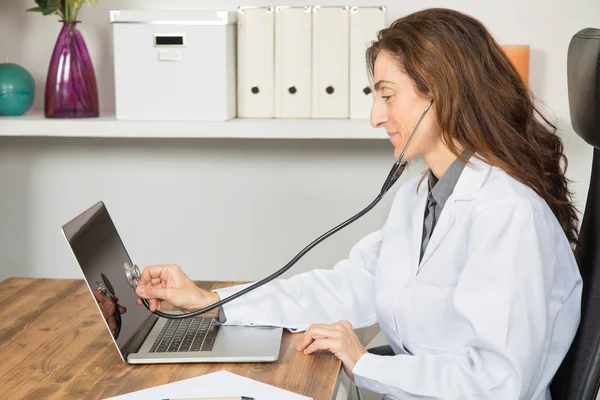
pixel 71 90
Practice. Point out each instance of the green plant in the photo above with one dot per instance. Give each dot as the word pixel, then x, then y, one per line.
pixel 67 9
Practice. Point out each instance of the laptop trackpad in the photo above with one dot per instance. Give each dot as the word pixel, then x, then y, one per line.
pixel 248 341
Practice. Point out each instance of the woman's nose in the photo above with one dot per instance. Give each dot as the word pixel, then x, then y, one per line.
pixel 378 116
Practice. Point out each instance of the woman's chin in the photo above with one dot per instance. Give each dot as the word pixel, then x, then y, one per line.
pixel 407 156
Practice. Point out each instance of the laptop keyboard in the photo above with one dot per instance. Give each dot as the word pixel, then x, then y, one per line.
pixel 188 334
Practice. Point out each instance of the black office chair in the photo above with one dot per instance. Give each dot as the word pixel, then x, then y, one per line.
pixel 579 374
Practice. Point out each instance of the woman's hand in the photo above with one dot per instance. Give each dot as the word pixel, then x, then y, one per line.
pixel 169 283
pixel 338 338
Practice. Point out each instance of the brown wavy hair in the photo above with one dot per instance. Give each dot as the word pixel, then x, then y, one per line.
pixel 481 101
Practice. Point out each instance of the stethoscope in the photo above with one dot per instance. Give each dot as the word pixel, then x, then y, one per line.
pixel 132 272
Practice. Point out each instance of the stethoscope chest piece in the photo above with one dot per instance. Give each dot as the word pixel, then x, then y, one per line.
pixel 132 272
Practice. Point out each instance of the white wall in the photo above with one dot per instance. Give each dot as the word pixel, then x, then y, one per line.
pixel 229 209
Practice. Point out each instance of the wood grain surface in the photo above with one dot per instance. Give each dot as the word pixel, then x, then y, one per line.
pixel 54 345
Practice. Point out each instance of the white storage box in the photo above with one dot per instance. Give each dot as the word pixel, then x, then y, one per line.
pixel 174 64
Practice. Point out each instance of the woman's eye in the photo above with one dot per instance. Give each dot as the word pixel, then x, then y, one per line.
pixel 385 97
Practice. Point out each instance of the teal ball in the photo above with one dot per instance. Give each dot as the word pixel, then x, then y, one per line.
pixel 17 89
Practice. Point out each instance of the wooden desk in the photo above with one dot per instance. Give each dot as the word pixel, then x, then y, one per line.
pixel 54 345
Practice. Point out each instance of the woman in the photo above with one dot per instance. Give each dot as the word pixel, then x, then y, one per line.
pixel 472 278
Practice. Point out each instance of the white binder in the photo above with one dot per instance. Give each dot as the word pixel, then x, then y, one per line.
pixel 255 62
pixel 365 23
pixel 293 45
pixel 330 61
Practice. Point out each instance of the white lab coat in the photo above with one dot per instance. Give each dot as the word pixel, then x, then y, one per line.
pixel 489 313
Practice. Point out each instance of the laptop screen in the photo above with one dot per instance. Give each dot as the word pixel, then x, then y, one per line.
pixel 101 254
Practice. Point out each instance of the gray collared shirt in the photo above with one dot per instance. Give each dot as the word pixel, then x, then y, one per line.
pixel 439 191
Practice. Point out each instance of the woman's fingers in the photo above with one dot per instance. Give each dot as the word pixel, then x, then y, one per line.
pixel 153 303
pixel 317 331
pixel 331 345
pixel 154 272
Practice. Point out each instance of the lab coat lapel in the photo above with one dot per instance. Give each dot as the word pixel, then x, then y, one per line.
pixel 466 188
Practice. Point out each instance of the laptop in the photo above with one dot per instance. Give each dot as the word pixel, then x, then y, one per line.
pixel 140 336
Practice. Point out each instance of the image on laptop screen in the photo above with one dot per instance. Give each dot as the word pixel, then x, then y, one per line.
pixel 101 254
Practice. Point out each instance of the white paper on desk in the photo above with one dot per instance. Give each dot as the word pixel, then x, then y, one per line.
pixel 216 384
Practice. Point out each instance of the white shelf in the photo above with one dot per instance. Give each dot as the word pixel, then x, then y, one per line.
pixel 106 126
